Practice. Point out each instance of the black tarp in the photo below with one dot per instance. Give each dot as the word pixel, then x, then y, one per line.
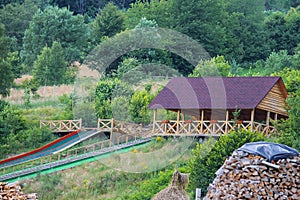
pixel 270 151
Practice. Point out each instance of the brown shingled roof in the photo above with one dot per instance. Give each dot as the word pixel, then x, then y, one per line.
pixel 215 92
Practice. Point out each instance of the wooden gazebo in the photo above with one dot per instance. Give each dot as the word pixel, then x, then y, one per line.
pixel 207 105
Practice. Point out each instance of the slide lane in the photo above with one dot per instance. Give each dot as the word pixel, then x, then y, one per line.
pixel 53 147
pixel 73 162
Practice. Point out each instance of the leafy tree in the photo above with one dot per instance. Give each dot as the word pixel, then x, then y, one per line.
pixel 127 65
pixel 50 67
pixel 249 18
pixel 11 121
pixel 275 28
pixel 120 108
pixel 293 29
pixel 291 78
pixel 106 90
pixel 6 74
pixel 16 24
pixel 278 61
pixel 54 24
pixel 139 107
pixel 204 165
pixel 202 21
pixel 109 22
pixel 290 128
pixel 14 60
pixel 217 66
pixel 159 11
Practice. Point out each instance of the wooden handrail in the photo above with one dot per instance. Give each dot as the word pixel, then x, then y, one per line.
pixel 208 127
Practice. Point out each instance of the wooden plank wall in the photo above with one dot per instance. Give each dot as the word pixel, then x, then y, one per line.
pixel 274 101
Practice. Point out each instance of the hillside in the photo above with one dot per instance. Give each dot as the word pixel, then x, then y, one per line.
pixel 90 60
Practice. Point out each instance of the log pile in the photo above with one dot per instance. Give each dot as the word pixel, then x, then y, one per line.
pixel 245 176
pixel 12 191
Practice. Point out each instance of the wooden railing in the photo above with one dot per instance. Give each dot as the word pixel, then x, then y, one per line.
pixel 126 128
pixel 212 127
pixel 56 157
pixel 62 125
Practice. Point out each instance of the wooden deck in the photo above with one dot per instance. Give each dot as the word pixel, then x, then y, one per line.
pixel 207 128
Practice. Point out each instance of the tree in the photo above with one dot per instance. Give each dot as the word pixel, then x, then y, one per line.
pixel 293 29
pixel 217 66
pixel 277 61
pixel 275 28
pixel 290 128
pixel 249 16
pixel 109 22
pixel 138 107
pixel 54 24
pixel 16 24
pixel 50 67
pixel 159 11
pixel 106 91
pixel 6 74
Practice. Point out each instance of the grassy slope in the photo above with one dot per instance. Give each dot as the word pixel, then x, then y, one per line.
pixel 100 179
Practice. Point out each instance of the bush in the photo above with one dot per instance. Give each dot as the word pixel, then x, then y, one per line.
pixel 204 166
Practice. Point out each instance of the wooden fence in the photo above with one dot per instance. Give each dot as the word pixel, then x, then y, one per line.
pixel 211 127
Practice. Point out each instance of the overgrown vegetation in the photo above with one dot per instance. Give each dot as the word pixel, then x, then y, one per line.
pixel 45 38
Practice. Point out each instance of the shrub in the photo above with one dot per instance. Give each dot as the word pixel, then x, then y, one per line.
pixel 204 166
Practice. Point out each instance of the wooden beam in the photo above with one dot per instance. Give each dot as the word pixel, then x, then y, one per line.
pixel 154 119
pixel 268 118
pixel 226 122
pixel 177 121
pixel 202 118
pixel 252 119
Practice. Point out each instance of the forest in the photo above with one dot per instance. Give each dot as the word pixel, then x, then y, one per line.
pixel 46 38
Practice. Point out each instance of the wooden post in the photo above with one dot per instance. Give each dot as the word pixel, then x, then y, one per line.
pixel 202 118
pixel 178 118
pixel 226 122
pixel 268 119
pixel 276 117
pixel 154 120
pixel 252 119
pixel 111 132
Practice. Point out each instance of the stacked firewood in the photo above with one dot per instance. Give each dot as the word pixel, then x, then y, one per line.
pixel 245 176
pixel 11 191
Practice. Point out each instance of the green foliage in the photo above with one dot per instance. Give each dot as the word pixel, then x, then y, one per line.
pixel 109 22
pixel 138 107
pixel 47 184
pixel 217 66
pixel 50 67
pixel 6 78
pixel 106 90
pixel 290 128
pixel 148 188
pixel 209 156
pixel 54 24
pixel 120 108
pixel 68 107
pixel 6 74
pixel 11 121
pixel 277 61
pixel 16 17
pixel 126 65
pixel 160 11
pixel 291 78
pixel 86 111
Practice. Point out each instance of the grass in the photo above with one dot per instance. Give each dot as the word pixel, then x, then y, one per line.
pixel 97 180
